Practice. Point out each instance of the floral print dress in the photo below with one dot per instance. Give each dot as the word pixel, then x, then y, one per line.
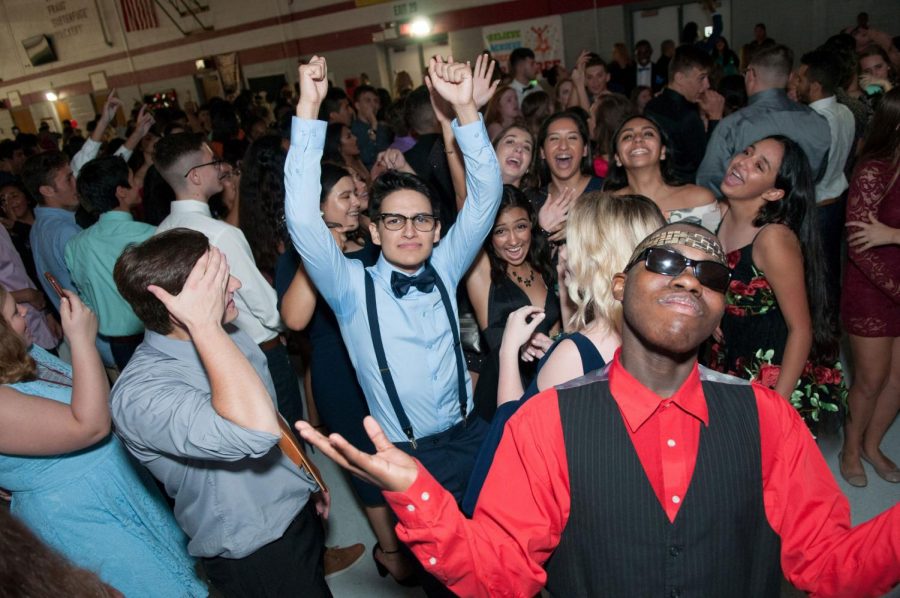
pixel 755 334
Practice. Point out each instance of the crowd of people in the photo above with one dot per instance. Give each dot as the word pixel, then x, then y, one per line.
pixel 481 295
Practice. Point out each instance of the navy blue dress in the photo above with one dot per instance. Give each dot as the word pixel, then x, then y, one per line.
pixel 590 360
pixel 339 398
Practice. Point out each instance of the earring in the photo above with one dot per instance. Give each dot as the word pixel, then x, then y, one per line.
pixel 321 214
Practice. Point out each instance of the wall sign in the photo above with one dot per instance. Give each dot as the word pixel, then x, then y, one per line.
pixel 543 36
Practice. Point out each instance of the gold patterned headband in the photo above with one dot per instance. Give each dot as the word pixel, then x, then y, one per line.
pixel 674 236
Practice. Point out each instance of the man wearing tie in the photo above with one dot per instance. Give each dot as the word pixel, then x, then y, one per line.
pixel 644 73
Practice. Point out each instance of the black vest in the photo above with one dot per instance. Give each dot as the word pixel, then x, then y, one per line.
pixel 618 540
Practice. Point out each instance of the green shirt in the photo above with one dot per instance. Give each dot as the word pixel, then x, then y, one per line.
pixel 91 256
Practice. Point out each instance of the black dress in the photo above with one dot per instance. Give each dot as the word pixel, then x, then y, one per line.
pixel 505 297
pixel 336 391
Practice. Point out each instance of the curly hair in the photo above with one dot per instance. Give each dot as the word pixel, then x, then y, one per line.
pixel 16 365
pixel 539 251
pixel 262 200
pixel 602 231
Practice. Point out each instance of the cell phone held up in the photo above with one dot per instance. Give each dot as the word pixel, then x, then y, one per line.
pixel 55 284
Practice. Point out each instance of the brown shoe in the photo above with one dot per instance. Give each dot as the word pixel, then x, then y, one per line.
pixel 338 559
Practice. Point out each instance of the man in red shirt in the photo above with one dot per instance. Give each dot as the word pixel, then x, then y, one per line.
pixel 653 476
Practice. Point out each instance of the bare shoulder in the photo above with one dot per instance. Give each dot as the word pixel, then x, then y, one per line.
pixel 692 196
pixel 775 242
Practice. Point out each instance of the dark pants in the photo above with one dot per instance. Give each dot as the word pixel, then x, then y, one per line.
pixel 449 457
pixel 122 350
pixel 287 386
pixel 831 231
pixel 291 566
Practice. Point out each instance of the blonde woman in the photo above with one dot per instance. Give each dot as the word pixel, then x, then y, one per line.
pixel 602 232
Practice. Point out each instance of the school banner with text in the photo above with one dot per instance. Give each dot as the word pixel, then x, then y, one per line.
pixel 544 36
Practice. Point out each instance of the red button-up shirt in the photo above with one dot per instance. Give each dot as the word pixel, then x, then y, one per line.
pixel 524 505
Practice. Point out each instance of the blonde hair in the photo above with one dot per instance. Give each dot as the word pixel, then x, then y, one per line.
pixel 16 364
pixel 602 231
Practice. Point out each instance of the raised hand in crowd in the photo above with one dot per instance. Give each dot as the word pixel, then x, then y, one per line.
pixel 712 105
pixel 453 81
pixel 313 78
pixel 554 213
pixel 142 126
pixel 520 326
pixel 484 87
pixel 110 107
pixel 390 159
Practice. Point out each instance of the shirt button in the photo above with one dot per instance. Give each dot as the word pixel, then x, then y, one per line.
pixel 425 496
pixel 410 508
pixel 673 551
pixel 671 443
pixel 432 561
pixel 675 499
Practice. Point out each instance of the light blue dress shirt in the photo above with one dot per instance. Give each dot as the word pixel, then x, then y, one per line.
pixel 52 229
pixel 417 338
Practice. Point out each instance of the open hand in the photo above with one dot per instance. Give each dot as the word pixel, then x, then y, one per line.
pixel 111 106
pixel 389 468
pixel 201 301
pixel 443 111
pixel 483 88
pixel 143 123
pixel 536 347
pixel 313 87
pixel 871 234
pixel 554 213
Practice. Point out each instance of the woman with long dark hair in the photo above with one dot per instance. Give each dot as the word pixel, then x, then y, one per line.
pixel 870 308
pixel 776 329
pixel 512 270
pixel 502 110
pixel 261 209
pixel 341 147
pixel 640 165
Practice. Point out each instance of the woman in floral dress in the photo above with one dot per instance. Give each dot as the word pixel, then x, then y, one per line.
pixel 776 328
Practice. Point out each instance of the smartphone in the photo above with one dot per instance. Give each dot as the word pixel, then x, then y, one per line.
pixel 55 284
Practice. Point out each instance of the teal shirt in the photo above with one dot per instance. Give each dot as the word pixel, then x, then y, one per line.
pixel 91 256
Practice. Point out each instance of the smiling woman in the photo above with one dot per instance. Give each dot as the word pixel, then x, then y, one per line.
pixel 512 270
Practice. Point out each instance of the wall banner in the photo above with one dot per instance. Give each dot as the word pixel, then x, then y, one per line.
pixel 544 36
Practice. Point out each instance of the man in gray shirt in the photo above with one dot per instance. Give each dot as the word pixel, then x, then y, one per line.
pixel 769 112
pixel 195 407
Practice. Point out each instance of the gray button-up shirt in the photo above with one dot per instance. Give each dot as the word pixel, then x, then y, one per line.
pixel 234 489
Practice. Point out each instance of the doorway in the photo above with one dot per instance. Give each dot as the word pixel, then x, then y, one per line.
pixel 658 21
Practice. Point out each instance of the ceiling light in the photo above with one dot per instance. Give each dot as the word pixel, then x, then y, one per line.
pixel 420 27
pixel 51 97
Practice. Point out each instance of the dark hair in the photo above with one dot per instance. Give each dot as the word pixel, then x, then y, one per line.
pixel 875 50
pixel 332 151
pixel 586 166
pixel 332 102
pixel 40 170
pixel 844 47
pixel 612 110
pixel 98 182
pixel 882 141
pixel 643 42
pixel 777 60
pixel 419 114
pixel 823 67
pixel 262 200
pixel 8 147
pixel 16 184
pixel 617 177
pixel 332 172
pixel 395 116
pixel 361 89
pixel 519 55
pixel 761 26
pixel 224 121
pixel 539 251
pixel 394 180
pixel 595 60
pixel 734 91
pixel 172 148
pixel 689 33
pixel 536 107
pixel 797 211
pixel 687 58
pixel 164 260
pixel 158 197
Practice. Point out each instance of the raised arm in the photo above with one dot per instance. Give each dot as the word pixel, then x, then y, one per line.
pixel 37 426
pixel 238 393
pixel 92 146
pixel 299 302
pixel 326 265
pixel 444 113
pixel 453 82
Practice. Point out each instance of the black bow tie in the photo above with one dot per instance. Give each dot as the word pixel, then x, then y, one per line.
pixel 424 281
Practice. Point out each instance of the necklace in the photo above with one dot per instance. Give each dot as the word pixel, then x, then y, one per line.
pixel 526 281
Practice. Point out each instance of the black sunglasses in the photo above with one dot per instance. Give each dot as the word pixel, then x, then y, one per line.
pixel 668 262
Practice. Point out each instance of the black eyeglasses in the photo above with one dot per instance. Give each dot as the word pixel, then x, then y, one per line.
pixel 216 163
pixel 424 223
pixel 668 262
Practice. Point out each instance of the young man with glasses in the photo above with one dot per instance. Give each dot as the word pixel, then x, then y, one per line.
pixel 187 163
pixel 399 317
pixel 651 477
